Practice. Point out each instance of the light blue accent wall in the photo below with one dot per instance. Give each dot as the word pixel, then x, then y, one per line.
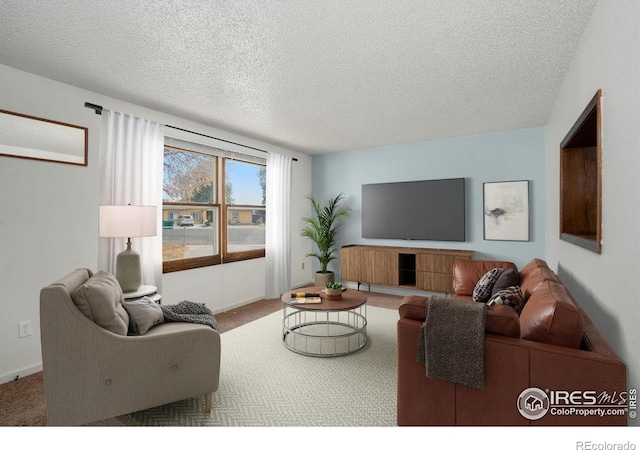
pixel 504 156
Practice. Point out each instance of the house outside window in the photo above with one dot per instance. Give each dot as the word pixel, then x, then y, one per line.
pixel 245 193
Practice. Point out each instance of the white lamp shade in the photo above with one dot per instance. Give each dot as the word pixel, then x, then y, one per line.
pixel 128 221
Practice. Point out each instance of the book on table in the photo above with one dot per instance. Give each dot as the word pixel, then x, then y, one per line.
pixel 295 300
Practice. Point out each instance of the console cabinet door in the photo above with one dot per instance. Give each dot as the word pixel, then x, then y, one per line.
pixel 434 272
pixel 352 264
pixel 382 268
pixel 369 266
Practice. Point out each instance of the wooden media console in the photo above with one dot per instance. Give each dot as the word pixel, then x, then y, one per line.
pixel 425 269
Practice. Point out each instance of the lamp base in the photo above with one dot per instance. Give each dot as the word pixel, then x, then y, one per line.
pixel 128 269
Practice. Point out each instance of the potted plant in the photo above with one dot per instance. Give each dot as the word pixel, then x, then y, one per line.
pixel 322 228
pixel 333 289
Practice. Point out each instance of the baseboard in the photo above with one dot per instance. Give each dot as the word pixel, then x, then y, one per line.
pixel 299 285
pixel 247 301
pixel 238 304
pixel 24 372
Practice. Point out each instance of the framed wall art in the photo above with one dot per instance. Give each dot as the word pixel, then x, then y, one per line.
pixel 29 137
pixel 506 211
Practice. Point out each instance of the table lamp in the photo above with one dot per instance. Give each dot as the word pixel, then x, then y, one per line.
pixel 119 221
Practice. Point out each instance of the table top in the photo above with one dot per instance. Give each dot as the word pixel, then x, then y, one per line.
pixel 351 299
pixel 143 290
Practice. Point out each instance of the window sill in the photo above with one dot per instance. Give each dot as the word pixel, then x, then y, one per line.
pixel 205 261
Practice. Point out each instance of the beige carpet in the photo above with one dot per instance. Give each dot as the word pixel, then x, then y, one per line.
pixel 264 384
pixel 22 404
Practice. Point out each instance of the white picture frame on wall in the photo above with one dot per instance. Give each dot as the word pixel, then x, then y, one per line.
pixel 506 211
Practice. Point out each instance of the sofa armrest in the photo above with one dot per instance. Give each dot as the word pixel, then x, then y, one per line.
pixel 414 307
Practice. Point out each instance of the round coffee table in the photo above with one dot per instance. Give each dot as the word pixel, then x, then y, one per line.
pixel 326 329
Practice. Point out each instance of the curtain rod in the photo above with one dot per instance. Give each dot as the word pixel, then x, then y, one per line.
pixel 98 110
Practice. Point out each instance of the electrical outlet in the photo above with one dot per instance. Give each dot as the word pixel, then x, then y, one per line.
pixel 25 328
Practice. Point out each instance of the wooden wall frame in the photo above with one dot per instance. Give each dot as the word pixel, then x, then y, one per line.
pixel 581 180
pixel 30 137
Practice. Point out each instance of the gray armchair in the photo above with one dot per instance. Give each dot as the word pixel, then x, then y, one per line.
pixel 91 373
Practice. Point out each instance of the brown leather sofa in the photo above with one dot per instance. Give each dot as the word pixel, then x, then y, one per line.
pixel 552 345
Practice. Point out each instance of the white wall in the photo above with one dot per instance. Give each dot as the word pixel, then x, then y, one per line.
pixel 606 284
pixel 49 219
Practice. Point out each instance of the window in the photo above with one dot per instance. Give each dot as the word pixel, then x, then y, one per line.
pixel 189 194
pixel 245 194
pixel 195 208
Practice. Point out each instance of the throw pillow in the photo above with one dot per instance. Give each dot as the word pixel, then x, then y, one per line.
pixel 510 277
pixel 511 296
pixel 143 314
pixel 482 291
pixel 100 299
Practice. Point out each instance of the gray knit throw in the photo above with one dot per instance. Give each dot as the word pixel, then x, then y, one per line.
pixel 187 311
pixel 451 344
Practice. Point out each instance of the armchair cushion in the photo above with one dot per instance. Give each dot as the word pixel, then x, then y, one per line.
pixel 143 314
pixel 100 299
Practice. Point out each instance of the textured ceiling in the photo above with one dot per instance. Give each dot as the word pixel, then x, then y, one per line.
pixel 311 75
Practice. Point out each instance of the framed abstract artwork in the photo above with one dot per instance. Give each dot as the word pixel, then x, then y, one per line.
pixel 506 211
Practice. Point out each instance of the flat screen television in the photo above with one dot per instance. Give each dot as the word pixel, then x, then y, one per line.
pixel 431 210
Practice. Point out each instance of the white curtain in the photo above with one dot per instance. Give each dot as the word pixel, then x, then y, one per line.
pixel 278 228
pixel 131 159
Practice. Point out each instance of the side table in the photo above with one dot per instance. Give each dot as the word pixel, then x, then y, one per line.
pixel 144 291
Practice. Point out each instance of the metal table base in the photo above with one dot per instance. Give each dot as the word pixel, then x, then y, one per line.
pixel 324 333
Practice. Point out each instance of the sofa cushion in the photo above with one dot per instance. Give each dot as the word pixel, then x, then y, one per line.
pixel 501 320
pixel 100 299
pixel 467 273
pixel 551 316
pixel 532 279
pixel 143 314
pixel 532 268
pixel 510 277
pixel 511 296
pixel 482 290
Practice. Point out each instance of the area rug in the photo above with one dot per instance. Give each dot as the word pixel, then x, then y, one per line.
pixel 263 384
